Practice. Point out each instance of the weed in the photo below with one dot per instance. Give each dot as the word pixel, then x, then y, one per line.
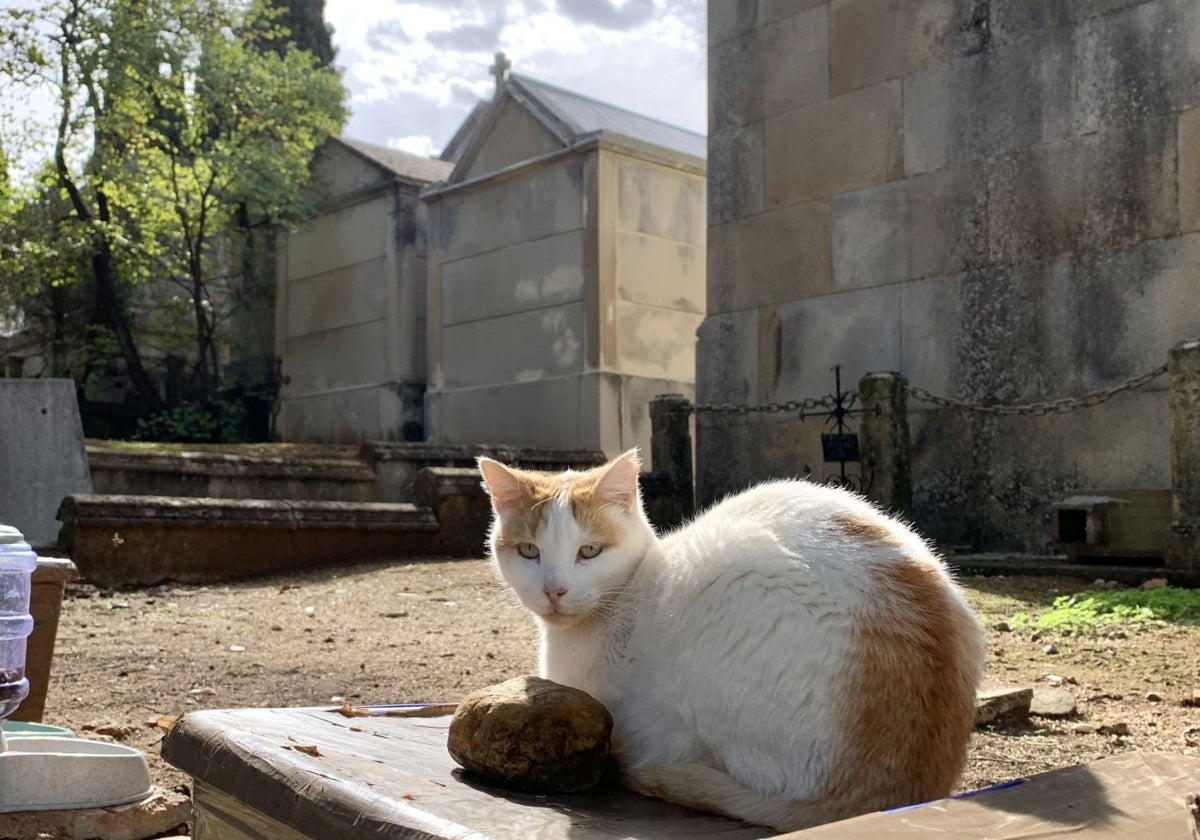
pixel 1087 612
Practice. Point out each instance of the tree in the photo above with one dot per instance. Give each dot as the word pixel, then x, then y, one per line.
pixel 167 117
pixel 297 23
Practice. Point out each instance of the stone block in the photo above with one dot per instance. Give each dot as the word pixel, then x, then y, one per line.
pixel 353 294
pixel 386 411
pixel 979 106
pixel 655 342
pixel 1137 65
pixel 353 234
pixel 735 173
pixel 530 275
pixel 928 225
pixel 870 44
pixel 541 202
pixel 1131 307
pixel 930 315
pixel 727 358
pixel 343 358
pixel 735 451
pixel 1011 20
pixel 633 408
pixel 515 348
pixel 797 61
pixel 774 10
pixel 737 82
pixel 994 703
pixel 858 330
pixel 660 201
pixel 1094 193
pixel 42 457
pixel 457 499
pixel 729 18
pixel 779 255
pixel 563 412
pixel 660 272
pixel 190 540
pixel 1189 170
pixel 838 145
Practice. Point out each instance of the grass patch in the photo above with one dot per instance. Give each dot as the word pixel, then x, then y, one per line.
pixel 1087 612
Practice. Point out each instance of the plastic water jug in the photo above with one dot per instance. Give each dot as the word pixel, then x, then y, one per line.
pixel 17 562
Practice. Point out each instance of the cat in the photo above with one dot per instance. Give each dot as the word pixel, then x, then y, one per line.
pixel 791 657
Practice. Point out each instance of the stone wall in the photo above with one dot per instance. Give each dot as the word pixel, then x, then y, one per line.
pixel 998 199
pixel 564 293
pixel 350 311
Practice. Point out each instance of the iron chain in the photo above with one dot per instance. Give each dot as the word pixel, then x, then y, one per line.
pixel 790 406
pixel 1038 409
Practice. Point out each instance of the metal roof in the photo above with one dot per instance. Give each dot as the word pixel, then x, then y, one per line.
pixel 583 115
pixel 404 164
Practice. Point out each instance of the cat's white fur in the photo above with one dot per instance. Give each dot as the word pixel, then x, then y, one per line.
pixel 732 652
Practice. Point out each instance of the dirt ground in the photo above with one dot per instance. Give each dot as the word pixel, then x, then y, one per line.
pixel 432 631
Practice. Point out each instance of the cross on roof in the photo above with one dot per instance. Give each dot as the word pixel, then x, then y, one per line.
pixel 499 69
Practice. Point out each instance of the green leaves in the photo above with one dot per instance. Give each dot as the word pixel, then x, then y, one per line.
pixel 172 119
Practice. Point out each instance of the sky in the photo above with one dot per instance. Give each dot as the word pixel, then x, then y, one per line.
pixel 415 69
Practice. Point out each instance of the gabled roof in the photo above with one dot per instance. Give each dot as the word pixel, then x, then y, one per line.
pixel 402 164
pixel 569 117
pixel 580 115
pixel 459 142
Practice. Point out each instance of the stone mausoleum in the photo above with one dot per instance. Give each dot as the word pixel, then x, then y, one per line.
pixel 999 200
pixel 350 300
pixel 566 273
pixel 537 287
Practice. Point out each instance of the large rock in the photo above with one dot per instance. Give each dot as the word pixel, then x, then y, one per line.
pixel 532 734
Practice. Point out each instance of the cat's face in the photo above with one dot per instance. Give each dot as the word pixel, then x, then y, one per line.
pixel 565 542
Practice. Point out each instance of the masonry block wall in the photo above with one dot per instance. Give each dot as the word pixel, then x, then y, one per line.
pixel 999 199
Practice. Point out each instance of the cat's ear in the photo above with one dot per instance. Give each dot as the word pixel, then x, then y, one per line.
pixel 501 484
pixel 619 481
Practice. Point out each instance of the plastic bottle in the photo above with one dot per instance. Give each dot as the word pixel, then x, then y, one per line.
pixel 17 562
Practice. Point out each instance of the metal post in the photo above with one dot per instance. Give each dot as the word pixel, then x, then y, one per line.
pixel 886 452
pixel 1184 370
pixel 671 448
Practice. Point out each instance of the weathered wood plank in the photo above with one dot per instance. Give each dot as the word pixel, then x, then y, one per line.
pixel 392 779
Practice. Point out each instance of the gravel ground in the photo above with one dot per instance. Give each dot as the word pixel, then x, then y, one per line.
pixel 432 631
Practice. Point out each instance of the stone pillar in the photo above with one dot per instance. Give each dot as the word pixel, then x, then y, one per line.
pixel 1184 370
pixel 885 450
pixel 671 448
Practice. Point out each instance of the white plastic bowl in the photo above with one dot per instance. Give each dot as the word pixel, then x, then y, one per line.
pixel 56 773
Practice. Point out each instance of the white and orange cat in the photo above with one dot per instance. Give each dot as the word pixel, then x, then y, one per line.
pixel 791 657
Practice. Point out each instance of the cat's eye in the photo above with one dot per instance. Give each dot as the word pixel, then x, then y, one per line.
pixel 529 551
pixel 587 552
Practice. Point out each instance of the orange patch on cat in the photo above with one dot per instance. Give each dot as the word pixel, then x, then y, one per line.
pixel 863 527
pixel 589 511
pixel 909 690
pixel 525 520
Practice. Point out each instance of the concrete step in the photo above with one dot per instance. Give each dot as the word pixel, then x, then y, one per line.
pixel 125 540
pixel 278 471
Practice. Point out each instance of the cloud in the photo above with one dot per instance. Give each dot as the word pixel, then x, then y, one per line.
pixel 472 37
pixel 387 36
pixel 606 14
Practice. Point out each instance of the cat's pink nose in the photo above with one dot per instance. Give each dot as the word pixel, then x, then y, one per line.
pixel 554 593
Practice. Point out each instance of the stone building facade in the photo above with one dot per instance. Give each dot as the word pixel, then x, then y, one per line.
pixel 350 300
pixel 566 273
pixel 1000 200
